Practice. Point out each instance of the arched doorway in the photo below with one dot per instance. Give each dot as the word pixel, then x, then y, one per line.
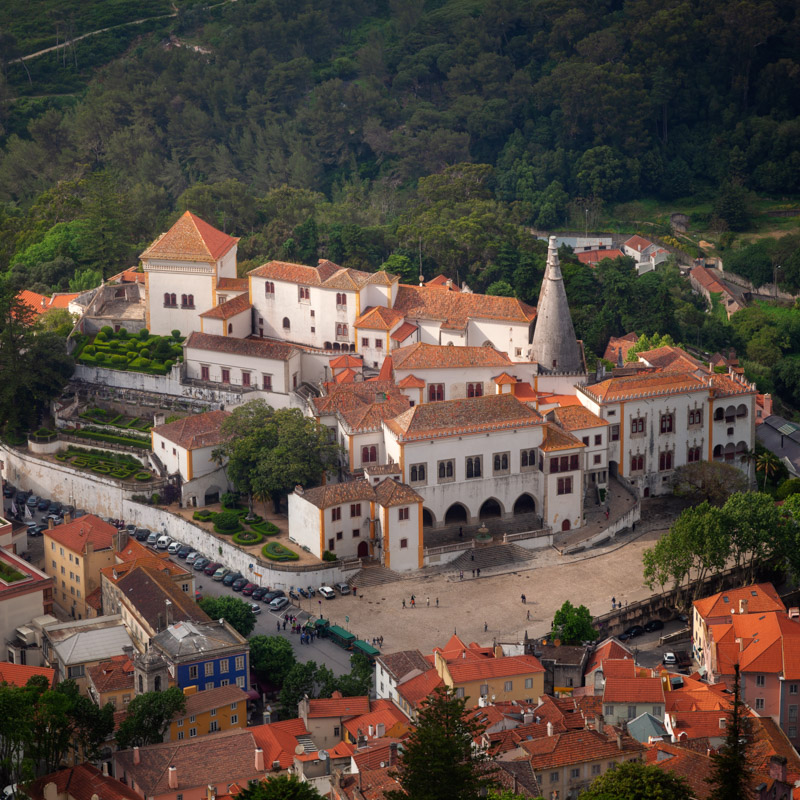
pixel 490 509
pixel 363 550
pixel 565 525
pixel 524 504
pixel 456 515
pixel 211 496
pixel 428 520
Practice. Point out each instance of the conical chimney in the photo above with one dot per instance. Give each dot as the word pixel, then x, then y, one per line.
pixel 555 347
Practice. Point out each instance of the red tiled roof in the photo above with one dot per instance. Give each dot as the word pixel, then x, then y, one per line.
pixel 504 379
pixel 418 688
pixel 411 382
pixel 760 597
pixel 400 664
pixel 196 430
pixel 690 765
pixel 253 347
pixel 633 690
pixel 387 368
pixel 95 599
pixel 638 243
pixel 232 284
pixel 376 751
pixel 190 239
pixel 83 782
pixel 208 699
pixel 383 712
pixel 230 308
pixel 378 318
pixel 41 304
pixel 670 358
pixel 464 416
pixel 20 674
pixel 371 416
pixel 345 376
pixel 507 666
pixel 351 396
pixel 455 308
pixel 616 342
pixel 89 529
pixel 113 675
pixel 596 256
pixel 390 493
pixel 707 280
pixel 338 706
pixel 278 740
pixel 345 361
pixel 430 356
pixel 556 439
pixel 442 282
pixel 404 331
pixel 651 384
pixel 577 747
pixel 610 648
pixel 576 418
pixel 619 668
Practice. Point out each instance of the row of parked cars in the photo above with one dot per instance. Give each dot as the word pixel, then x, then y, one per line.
pixel 51 509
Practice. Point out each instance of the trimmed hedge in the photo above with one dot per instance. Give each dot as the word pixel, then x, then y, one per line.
pixel 264 528
pixel 277 552
pixel 227 520
pixel 204 515
pixel 242 540
pixel 107 437
pixel 228 531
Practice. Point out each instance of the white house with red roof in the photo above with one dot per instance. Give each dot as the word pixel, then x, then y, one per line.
pixel 646 254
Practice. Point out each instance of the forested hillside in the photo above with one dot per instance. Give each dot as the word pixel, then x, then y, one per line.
pixel 373 131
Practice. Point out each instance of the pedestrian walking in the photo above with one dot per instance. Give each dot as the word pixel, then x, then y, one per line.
pixel 413 602
pixel 428 601
pixel 479 571
pixel 613 603
pixel 473 573
pixel 381 640
pixel 485 627
pixel 354 591
pixel 461 575
pixel 284 624
pixel 404 602
pixel 522 597
pixel 529 614
pixel 413 598
pixel 279 626
pixel 437 602
pixel 607 513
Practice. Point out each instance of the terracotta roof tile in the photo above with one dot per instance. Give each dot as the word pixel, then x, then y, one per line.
pixel 196 430
pixel 89 529
pixel 707 280
pixel 115 674
pixel 371 416
pixel 610 648
pixel 615 343
pixel 638 243
pixel 95 599
pixel 651 384
pixel 230 308
pixel 415 690
pixel 442 282
pixel 376 751
pixel 577 747
pixel 20 674
pixel 400 664
pixel 504 379
pixel 619 668
pixel 556 439
pixel 633 690
pixel 390 493
pixel 760 597
pixel 232 285
pixel 83 782
pixel 41 303
pixel 345 361
pixel 404 331
pixel 346 376
pixel 467 415
pixel 334 494
pixel 430 356
pixel 411 382
pixel 576 418
pixel 338 706
pixel 690 765
pixel 200 702
pixel 287 271
pixel 456 308
pixel 278 740
pixel 254 347
pixel 671 358
pixel 486 668
pixel 351 396
pixel 378 318
pixel 593 257
pixel 190 239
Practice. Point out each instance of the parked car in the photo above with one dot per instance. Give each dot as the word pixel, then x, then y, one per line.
pixel 231 577
pixel 33 501
pixel 255 608
pixel 68 509
pixel 192 557
pixel 43 504
pixel 258 594
pixel 164 541
pixel 271 595
pixel 174 547
pixel 278 603
pixel 312 592
pixel 220 573
pixel 55 507
pixel 37 530
pixel 248 589
pixel 141 534
pixel 211 567
pixel 669 660
pixel 152 539
pixel 327 592
pixel 631 633
pixel 183 551
pixel 201 563
pixel 344 588
pixel 654 625
pixel 239 584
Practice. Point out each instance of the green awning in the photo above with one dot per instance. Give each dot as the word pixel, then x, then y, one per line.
pixel 341 633
pixel 366 648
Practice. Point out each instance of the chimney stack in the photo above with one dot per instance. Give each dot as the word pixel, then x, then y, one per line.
pixel 135 755
pixel 598 723
pixel 173 777
pixel 777 768
pixel 619 740
pixel 549 728
pixel 743 605
pixel 259 760
pixel 67 518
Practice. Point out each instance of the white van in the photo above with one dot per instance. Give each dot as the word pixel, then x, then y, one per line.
pixel 164 542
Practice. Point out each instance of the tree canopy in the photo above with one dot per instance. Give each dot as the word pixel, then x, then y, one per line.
pixel 280 787
pixel 233 610
pixel 149 716
pixel 636 781
pixel 573 624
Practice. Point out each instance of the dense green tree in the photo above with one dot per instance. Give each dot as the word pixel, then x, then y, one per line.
pixel 711 481
pixel 359 680
pixel 234 611
pixel 636 781
pixel 280 787
pixel 149 716
pixel 573 624
pixel 439 758
pixel 271 658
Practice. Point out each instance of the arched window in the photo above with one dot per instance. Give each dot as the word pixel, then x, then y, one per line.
pixel 286 325
pixel 166 299
pixel 269 288
pixel 173 300
pixel 183 300
pixel 719 414
pixel 141 685
pixel 190 301
pixel 230 327
pixel 741 410
pixel 369 454
pixel 157 683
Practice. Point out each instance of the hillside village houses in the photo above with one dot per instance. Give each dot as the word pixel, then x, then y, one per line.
pixel 480 406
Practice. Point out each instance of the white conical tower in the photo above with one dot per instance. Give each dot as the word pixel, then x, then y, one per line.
pixel 554 344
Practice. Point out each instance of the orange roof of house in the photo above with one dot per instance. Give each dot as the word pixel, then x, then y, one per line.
pixel 556 439
pixel 338 706
pixel 278 740
pixel 411 382
pixel 638 243
pixel 523 391
pixel 113 675
pixel 190 239
pixel 345 376
pixel 252 347
pixel 473 670
pixel 504 379
pixel 20 674
pixel 404 331
pixel 442 282
pixel 619 668
pixel 325 274
pixel 371 416
pixel 563 400
pixel 577 747
pixel 348 396
pixel 759 596
pixel 692 766
pixel 230 308
pixel 383 712
pixel 707 280
pixel 345 360
pixel 596 256
pixel 615 343
pixel 415 690
pixel 576 418
pixel 77 534
pixel 378 318
pixel 232 284
pixel 464 416
pixel 196 430
pixel 130 275
pixel 650 384
pixel 610 648
pixel 83 782
pixel 385 373
pixel 453 309
pixel 633 690
pixel 41 304
pixel 134 550
pixel 431 356
pixel 668 357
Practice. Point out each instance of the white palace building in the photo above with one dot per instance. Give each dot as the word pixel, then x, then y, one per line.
pixel 451 407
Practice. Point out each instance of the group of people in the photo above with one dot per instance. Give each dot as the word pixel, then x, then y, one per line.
pixel 413 602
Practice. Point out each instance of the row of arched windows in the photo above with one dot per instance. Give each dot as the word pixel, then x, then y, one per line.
pixel 171 300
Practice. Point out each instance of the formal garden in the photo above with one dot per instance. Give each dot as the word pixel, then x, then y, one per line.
pixel 140 352
pixel 245 529
pixel 111 465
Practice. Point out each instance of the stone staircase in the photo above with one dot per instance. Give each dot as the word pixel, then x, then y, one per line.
pixel 498 555
pixel 374 575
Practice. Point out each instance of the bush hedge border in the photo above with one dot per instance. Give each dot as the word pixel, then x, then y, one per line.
pixel 237 538
pixel 275 551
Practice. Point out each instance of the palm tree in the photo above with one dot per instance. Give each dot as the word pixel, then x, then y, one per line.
pixel 768 463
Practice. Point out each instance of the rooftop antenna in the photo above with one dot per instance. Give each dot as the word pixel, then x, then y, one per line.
pixel 421 277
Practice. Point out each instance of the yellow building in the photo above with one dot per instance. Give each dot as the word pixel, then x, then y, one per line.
pixel 111 681
pixel 220 709
pixel 74 554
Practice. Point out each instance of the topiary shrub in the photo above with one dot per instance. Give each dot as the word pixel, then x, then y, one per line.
pixel 118 359
pixel 203 515
pixel 89 350
pixel 264 528
pixel 155 498
pixel 144 352
pixel 176 334
pixel 142 476
pixel 107 330
pixel 101 337
pixel 247 538
pixel 227 522
pixel 122 333
pixel 100 357
pixel 144 333
pixel 230 500
pixel 277 552
pixel 787 488
pixel 328 556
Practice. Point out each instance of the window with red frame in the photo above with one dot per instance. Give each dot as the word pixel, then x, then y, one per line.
pixel 435 392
